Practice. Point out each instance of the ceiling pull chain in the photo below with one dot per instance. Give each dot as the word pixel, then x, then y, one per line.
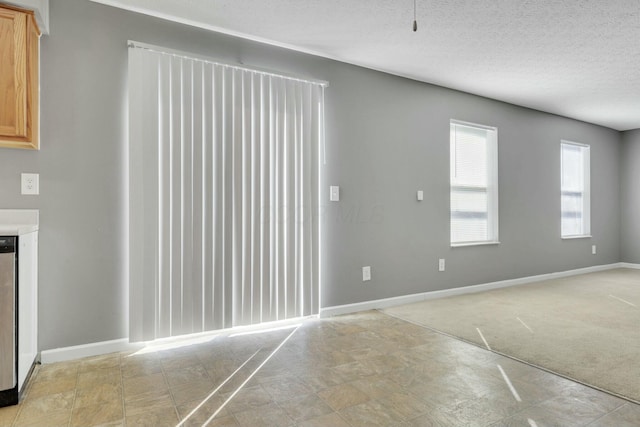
pixel 415 22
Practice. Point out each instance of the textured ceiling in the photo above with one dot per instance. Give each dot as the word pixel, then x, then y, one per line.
pixel 576 58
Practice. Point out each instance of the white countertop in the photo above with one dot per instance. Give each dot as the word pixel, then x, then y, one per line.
pixel 15 222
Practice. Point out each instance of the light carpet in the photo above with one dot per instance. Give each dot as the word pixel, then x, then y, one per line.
pixel 584 327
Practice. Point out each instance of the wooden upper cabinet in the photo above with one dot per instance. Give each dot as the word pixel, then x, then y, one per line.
pixel 19 84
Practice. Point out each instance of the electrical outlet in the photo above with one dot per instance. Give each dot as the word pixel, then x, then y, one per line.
pixel 366 273
pixel 441 264
pixel 593 249
pixel 30 183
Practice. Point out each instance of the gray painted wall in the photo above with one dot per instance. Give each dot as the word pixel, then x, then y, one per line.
pixel 386 138
pixel 630 196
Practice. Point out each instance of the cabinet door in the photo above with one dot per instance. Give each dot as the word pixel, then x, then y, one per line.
pixel 13 73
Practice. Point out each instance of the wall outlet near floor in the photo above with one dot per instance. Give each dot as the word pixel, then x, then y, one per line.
pixel 30 183
pixel 441 264
pixel 593 249
pixel 366 273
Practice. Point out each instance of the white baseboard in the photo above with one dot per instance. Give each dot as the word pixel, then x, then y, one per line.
pixel 630 265
pixel 123 344
pixel 407 299
pixel 86 350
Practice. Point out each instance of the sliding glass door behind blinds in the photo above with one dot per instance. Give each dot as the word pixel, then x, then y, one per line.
pixel 223 195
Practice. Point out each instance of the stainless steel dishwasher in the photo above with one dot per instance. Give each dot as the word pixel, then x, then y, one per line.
pixel 8 321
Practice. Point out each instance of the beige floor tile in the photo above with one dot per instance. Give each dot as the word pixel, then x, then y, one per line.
pixel 52 386
pixel 277 373
pixel 201 410
pixel 97 415
pixel 572 409
pixel 227 421
pixel 52 418
pixel 236 382
pixel 627 415
pixel 318 378
pixel 406 405
pixel 57 371
pixel 181 361
pixel 305 406
pixel 195 390
pixel 269 415
pixel 383 364
pixel 248 398
pixel 8 414
pixel 363 353
pixel 285 390
pixel 139 367
pixel 329 420
pixel 143 384
pixel 97 377
pixel 184 375
pixel 377 386
pixel 477 411
pixel 431 420
pixel 157 417
pixel 353 371
pixel 333 358
pixel 603 401
pixel 221 369
pixel 100 362
pixel 147 402
pixel 343 396
pixel 102 394
pixel 371 413
pixel 41 406
pixel 372 368
pixel 540 417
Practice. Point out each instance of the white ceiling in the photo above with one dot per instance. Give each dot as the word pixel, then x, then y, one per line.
pixel 576 58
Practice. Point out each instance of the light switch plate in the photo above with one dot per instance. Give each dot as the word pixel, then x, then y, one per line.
pixel 30 184
pixel 366 273
pixel 334 193
pixel 420 195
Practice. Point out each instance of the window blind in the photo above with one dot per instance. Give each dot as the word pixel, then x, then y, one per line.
pixel 474 185
pixel 223 187
pixel 575 189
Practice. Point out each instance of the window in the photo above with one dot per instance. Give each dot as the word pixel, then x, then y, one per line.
pixel 474 184
pixel 575 190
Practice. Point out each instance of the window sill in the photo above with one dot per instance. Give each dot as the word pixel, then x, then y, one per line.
pixel 583 236
pixel 462 245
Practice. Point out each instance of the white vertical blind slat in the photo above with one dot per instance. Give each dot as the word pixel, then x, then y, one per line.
pixel 164 116
pixel 175 196
pixel 187 198
pixel 223 190
pixel 208 197
pixel 197 291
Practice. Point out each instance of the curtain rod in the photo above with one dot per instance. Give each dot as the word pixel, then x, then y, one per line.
pixel 193 56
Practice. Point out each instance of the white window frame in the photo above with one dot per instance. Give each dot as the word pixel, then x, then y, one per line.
pixel 492 183
pixel 586 193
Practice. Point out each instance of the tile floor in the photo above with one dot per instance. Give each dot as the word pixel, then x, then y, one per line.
pixel 366 369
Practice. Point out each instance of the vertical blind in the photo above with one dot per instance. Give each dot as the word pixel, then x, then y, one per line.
pixel 223 187
pixel 474 183
pixel 575 204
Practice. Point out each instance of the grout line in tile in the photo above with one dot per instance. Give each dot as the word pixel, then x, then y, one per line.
pixel 166 381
